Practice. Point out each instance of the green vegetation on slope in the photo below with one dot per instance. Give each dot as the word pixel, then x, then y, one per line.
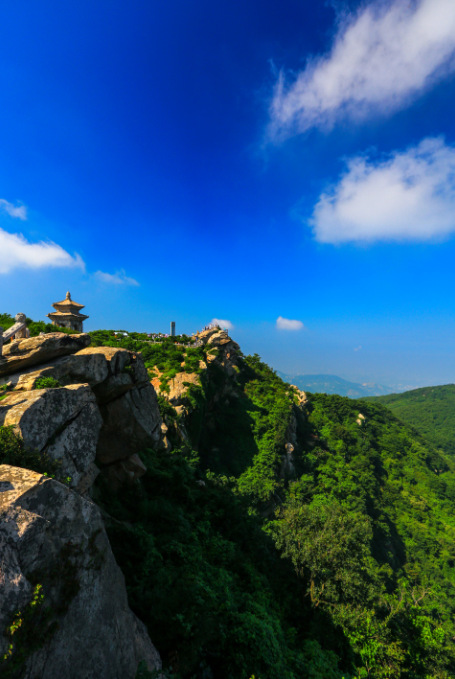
pixel 431 410
pixel 370 527
pixel 14 452
pixel 165 356
pixel 334 560
pixel 208 582
pixel 366 521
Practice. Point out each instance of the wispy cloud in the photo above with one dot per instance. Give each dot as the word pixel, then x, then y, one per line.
pixel 16 211
pixel 223 323
pixel 16 252
pixel 409 195
pixel 288 324
pixel 381 58
pixel 117 278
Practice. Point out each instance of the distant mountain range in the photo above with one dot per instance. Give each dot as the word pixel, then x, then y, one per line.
pixel 332 384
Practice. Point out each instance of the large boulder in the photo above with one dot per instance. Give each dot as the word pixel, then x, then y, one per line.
pixel 97 366
pixel 104 413
pixel 54 549
pixel 64 423
pixel 24 353
pixel 90 368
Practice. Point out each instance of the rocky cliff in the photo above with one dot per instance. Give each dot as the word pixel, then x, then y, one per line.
pixel 220 352
pixel 91 410
pixel 208 403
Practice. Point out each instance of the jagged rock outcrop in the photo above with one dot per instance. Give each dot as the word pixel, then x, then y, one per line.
pixel 186 390
pixel 297 418
pixel 92 409
pixel 178 387
pixel 221 349
pixel 103 413
pixel 53 542
pixel 64 423
pixel 35 350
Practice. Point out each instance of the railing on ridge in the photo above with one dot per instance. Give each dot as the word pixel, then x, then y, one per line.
pixel 17 331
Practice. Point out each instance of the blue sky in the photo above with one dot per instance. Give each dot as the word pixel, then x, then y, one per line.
pixel 289 168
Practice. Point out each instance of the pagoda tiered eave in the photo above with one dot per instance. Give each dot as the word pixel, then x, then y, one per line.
pixel 60 315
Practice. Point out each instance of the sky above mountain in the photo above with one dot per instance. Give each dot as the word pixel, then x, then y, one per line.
pixel 288 168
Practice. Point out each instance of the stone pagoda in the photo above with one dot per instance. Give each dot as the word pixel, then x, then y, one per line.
pixel 67 314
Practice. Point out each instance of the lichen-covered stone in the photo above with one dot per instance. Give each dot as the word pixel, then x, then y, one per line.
pixel 63 422
pixel 52 536
pixel 40 414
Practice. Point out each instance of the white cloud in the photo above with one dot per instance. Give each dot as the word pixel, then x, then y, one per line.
pixel 381 58
pixel 16 211
pixel 117 278
pixel 16 252
pixel 288 324
pixel 408 196
pixel 226 325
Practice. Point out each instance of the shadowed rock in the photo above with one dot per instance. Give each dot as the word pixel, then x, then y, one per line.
pixel 52 536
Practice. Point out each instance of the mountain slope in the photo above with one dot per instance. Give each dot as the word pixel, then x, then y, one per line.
pixel 359 503
pixel 431 410
pixel 271 533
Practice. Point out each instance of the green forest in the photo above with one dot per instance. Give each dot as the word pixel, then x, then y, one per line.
pixel 431 410
pixel 342 566
pixel 246 557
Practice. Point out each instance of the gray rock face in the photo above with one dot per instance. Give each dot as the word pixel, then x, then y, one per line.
pixel 101 415
pixel 52 537
pixel 40 414
pixel 64 423
pixel 130 424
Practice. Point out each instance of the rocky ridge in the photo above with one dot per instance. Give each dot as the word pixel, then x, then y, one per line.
pixel 91 409
pixel 223 356
pixel 221 352
pixel 98 413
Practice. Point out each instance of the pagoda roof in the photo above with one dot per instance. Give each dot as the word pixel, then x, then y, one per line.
pixel 67 314
pixel 68 302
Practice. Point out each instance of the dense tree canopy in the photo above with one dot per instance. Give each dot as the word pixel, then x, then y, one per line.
pixel 284 537
pixel 365 522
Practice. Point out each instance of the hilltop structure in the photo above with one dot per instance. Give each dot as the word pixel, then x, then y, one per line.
pixel 67 314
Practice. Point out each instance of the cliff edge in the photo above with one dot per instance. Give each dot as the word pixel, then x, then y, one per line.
pixel 64 605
